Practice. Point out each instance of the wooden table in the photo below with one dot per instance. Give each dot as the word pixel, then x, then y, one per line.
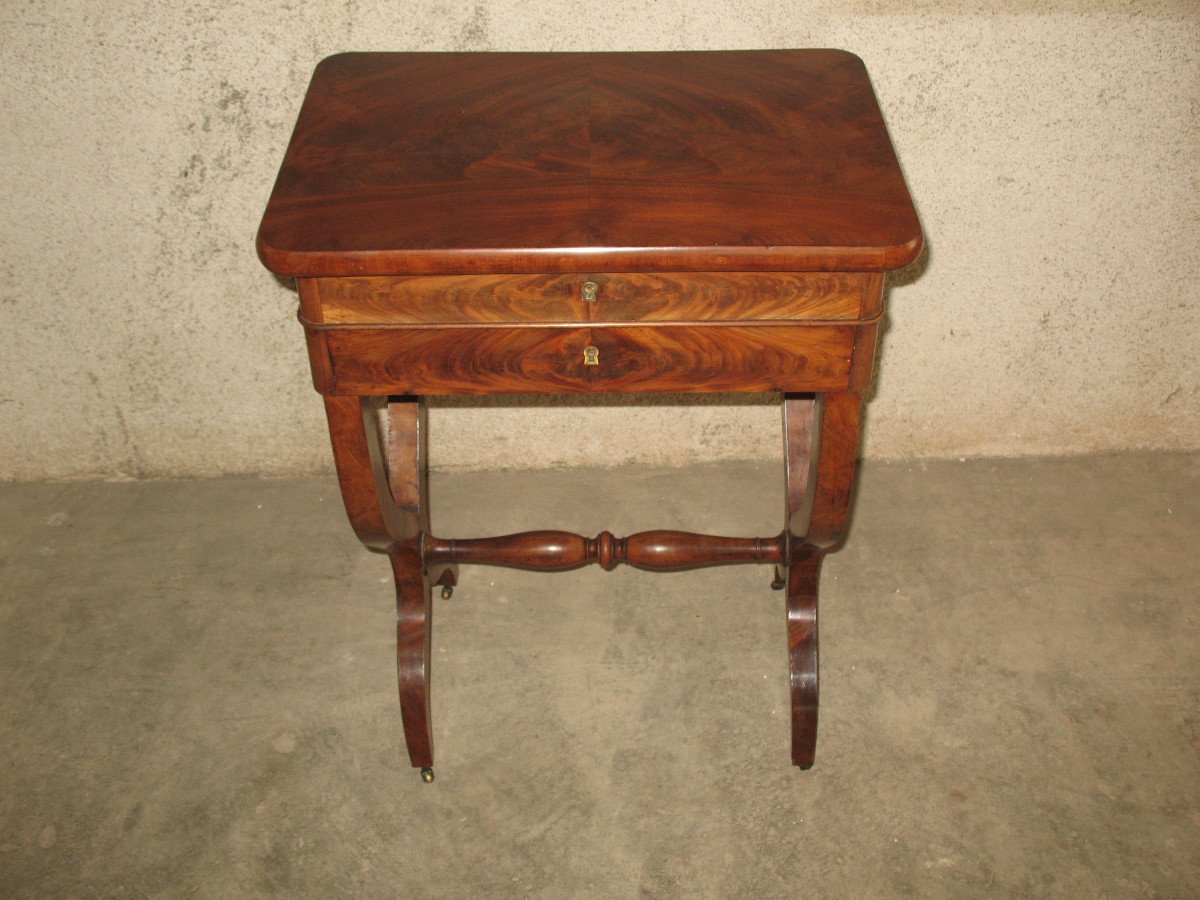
pixel 576 223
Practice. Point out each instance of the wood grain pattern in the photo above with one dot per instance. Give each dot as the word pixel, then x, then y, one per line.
pixel 479 360
pixel 407 471
pixel 414 611
pixel 873 296
pixel 837 465
pixel 801 442
pixel 311 307
pixel 626 297
pixel 804 575
pixel 560 550
pixel 361 466
pixel 384 498
pixel 802 431
pixel 319 360
pixel 407 488
pixel 409 163
pixel 862 364
pixel 822 439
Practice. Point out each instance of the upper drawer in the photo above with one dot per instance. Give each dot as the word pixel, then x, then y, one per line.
pixel 624 297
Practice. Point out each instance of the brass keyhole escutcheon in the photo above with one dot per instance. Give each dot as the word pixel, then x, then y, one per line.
pixel 591 356
pixel 590 289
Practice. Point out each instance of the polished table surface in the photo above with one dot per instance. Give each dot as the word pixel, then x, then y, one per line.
pixel 558 223
pixel 405 163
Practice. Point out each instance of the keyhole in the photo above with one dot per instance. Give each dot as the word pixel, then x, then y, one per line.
pixel 591 356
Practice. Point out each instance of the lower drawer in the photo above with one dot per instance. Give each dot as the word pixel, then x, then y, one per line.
pixel 550 359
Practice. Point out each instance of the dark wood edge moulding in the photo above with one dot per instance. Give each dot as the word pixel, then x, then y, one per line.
pixel 582 260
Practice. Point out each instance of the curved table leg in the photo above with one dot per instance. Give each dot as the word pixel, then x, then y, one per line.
pixel 804 572
pixel 408 478
pixel 413 631
pixel 821 436
pixel 385 496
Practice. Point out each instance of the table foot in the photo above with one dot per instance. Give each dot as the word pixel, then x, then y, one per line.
pixel 804 574
pixel 427 775
pixel 413 608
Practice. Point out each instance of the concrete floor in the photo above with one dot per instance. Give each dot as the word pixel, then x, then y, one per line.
pixel 198 693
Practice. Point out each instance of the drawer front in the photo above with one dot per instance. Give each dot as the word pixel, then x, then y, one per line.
pixel 615 298
pixel 548 359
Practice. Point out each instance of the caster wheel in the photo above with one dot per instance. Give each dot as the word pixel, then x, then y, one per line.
pixel 447 591
pixel 427 775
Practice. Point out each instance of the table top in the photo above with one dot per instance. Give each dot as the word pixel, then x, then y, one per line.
pixel 410 163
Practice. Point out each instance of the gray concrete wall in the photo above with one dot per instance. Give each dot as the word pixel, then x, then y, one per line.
pixel 1053 149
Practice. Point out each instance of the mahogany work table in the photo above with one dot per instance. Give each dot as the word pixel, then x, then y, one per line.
pixel 577 223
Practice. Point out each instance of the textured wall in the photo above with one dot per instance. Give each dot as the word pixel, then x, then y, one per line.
pixel 1053 149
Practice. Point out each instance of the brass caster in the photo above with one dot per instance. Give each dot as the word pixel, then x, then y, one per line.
pixel 778 583
pixel 427 775
pixel 447 591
